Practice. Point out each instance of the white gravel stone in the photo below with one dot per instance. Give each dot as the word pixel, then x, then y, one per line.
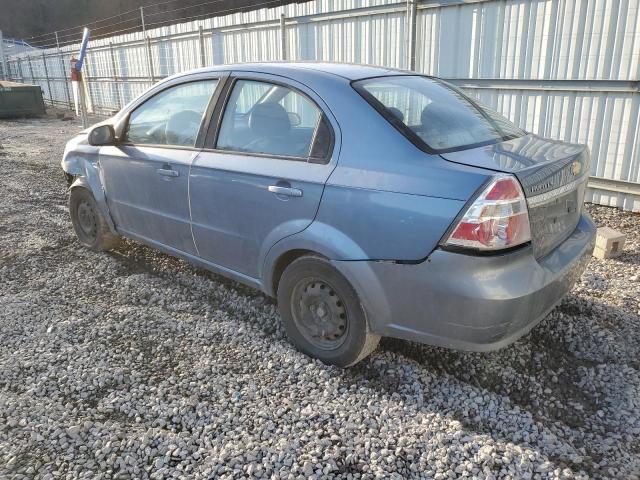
pixel 133 364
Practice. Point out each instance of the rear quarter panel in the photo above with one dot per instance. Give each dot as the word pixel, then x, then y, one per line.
pixel 386 225
pixel 390 199
pixel 386 199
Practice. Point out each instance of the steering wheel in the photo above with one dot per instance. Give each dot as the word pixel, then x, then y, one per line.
pixel 182 128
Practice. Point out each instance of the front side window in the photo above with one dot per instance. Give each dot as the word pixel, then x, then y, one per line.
pixel 435 113
pixel 172 117
pixel 272 119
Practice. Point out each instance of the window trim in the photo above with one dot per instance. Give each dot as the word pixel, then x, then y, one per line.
pixel 358 86
pixel 315 133
pixel 211 138
pixel 204 122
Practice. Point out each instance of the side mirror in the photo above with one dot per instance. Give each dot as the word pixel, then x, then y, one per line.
pixel 120 127
pixel 102 135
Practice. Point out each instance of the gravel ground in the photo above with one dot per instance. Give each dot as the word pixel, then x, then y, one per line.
pixel 134 364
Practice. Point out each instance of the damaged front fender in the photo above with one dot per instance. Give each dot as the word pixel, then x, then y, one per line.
pixel 80 161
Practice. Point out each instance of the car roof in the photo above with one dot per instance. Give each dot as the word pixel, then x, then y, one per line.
pixel 310 73
pixel 349 71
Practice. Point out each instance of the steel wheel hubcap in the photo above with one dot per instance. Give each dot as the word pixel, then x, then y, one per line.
pixel 87 220
pixel 319 314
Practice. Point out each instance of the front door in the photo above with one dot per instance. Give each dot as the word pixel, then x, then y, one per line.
pixel 262 178
pixel 146 177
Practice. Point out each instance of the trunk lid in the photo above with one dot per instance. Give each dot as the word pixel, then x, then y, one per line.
pixel 553 176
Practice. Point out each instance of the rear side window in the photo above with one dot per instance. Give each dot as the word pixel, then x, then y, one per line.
pixel 321 147
pixel 435 114
pixel 172 117
pixel 266 118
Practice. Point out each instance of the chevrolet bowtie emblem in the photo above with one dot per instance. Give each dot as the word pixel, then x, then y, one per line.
pixel 576 167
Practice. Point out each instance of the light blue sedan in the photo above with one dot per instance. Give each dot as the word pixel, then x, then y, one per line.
pixel 370 202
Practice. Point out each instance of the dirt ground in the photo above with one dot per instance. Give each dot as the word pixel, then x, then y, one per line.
pixel 133 364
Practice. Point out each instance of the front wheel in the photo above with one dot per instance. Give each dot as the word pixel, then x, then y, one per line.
pixel 90 226
pixel 322 314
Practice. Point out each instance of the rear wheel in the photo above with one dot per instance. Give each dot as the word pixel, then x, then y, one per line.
pixel 322 314
pixel 90 226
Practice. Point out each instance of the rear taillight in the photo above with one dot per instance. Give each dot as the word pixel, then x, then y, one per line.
pixel 497 219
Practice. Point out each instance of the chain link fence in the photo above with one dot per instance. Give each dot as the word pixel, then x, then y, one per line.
pixel 565 70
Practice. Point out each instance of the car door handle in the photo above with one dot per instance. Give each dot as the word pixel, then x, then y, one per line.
pixel 288 191
pixel 167 172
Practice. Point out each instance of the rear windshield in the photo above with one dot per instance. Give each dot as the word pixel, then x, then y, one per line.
pixel 435 114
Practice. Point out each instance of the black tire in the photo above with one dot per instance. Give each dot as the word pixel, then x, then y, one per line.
pixel 90 226
pixel 322 314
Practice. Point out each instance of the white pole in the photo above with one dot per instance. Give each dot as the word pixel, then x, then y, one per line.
pixel 412 14
pixel 283 36
pixel 83 105
pixel 2 59
pixel 83 92
pixel 144 30
pixel 75 97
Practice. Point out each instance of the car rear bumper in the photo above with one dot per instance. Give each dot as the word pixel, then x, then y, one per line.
pixel 469 302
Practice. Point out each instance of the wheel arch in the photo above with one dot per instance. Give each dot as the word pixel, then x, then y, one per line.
pixel 319 239
pixel 282 262
pixel 98 195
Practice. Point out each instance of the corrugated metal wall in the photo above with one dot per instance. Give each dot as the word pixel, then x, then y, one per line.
pixel 560 68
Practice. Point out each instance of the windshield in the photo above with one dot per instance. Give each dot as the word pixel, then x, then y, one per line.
pixel 435 114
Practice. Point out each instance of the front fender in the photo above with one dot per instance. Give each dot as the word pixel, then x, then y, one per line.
pixel 80 160
pixel 92 183
pixel 76 151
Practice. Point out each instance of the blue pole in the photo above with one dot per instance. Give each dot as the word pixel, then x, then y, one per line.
pixel 83 48
pixel 83 53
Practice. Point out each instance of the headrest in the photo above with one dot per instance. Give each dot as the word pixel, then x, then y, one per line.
pixel 182 128
pixel 396 113
pixel 268 119
pixel 438 115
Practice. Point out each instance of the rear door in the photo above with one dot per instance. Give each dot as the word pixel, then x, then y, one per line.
pixel 146 176
pixel 262 172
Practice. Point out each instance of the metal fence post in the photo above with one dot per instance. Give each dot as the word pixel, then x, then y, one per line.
pixel 412 14
pixel 283 36
pixel 217 47
pixel 150 61
pixel 201 39
pixel 30 68
pixel 86 79
pixel 65 75
pixel 115 75
pixel 46 76
pixel 144 29
pixel 148 42
pixel 20 70
pixel 3 62
pixel 66 80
